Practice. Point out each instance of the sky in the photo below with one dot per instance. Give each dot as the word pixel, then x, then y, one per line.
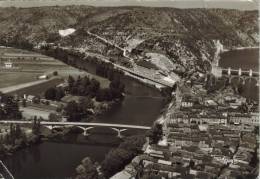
pixel 230 4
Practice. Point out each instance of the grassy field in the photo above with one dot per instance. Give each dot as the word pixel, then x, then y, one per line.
pixel 35 65
pixel 38 89
pixel 14 78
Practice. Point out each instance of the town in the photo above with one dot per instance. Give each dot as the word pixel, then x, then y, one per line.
pixel 203 135
pixel 126 92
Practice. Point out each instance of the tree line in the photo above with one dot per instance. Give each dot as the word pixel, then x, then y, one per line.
pixel 84 86
pixel 114 161
pixel 9 108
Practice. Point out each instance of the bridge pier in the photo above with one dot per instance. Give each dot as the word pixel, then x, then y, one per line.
pixel 239 72
pixel 86 133
pixel 229 71
pixel 250 73
pixel 243 81
pixel 51 127
pixel 229 79
pixel 119 135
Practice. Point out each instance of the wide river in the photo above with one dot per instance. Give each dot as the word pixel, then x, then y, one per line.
pixel 141 106
pixel 245 59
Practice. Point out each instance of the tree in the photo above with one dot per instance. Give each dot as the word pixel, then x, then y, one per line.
pixel 87 169
pixel 59 94
pixel 53 117
pixel 240 89
pixel 54 93
pixel 36 126
pixel 71 82
pixel 115 161
pixel 86 103
pixel 155 134
pixel 104 95
pixel 117 158
pixel 10 108
pixel 72 111
pixel 50 93
pixel 55 73
pixel 24 102
pixel 18 131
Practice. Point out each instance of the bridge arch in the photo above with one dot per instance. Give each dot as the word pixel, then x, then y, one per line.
pixel 52 127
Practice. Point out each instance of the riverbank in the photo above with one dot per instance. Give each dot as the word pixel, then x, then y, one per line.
pixel 240 48
pixel 8 150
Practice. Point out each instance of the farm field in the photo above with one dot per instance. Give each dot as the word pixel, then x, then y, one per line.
pixel 33 65
pixel 38 89
pixel 13 78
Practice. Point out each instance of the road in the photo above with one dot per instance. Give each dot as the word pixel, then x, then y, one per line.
pixel 133 71
pixel 79 124
pixel 21 86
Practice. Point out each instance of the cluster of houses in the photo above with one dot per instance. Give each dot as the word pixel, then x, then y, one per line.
pixel 207 111
pixel 204 138
pixel 226 118
pixel 197 151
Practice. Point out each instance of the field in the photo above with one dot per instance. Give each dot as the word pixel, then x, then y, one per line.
pixel 14 78
pixel 33 65
pixel 38 89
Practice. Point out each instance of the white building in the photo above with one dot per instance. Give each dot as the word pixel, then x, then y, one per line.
pixel 8 64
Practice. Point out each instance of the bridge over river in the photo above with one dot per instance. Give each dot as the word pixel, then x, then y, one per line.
pixel 119 128
pixel 242 75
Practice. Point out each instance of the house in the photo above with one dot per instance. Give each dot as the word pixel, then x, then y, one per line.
pixel 247 119
pixel 187 101
pixel 8 64
pixel 30 98
pixel 122 175
pixel 208 119
pixel 42 77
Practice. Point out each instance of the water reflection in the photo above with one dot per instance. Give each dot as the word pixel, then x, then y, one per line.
pixel 245 59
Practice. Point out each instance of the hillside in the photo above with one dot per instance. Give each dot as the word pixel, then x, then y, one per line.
pixel 177 33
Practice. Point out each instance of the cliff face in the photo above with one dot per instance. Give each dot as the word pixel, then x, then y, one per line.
pixel 178 33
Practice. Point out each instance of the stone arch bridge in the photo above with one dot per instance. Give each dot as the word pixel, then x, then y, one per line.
pixel 242 75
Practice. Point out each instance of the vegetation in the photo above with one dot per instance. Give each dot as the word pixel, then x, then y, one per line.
pixel 53 117
pixel 36 127
pixel 54 93
pixel 9 108
pixel 117 158
pixel 155 134
pixel 15 138
pixel 91 88
pixel 87 169
pixel 167 93
pixel 107 70
pixel 55 73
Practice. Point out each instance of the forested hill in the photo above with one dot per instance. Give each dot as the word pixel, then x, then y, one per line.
pixel 232 27
pixel 186 36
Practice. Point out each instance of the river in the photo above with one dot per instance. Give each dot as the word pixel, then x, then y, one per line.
pixel 245 59
pixel 142 106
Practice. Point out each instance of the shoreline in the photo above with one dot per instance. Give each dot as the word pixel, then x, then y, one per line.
pixel 239 48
